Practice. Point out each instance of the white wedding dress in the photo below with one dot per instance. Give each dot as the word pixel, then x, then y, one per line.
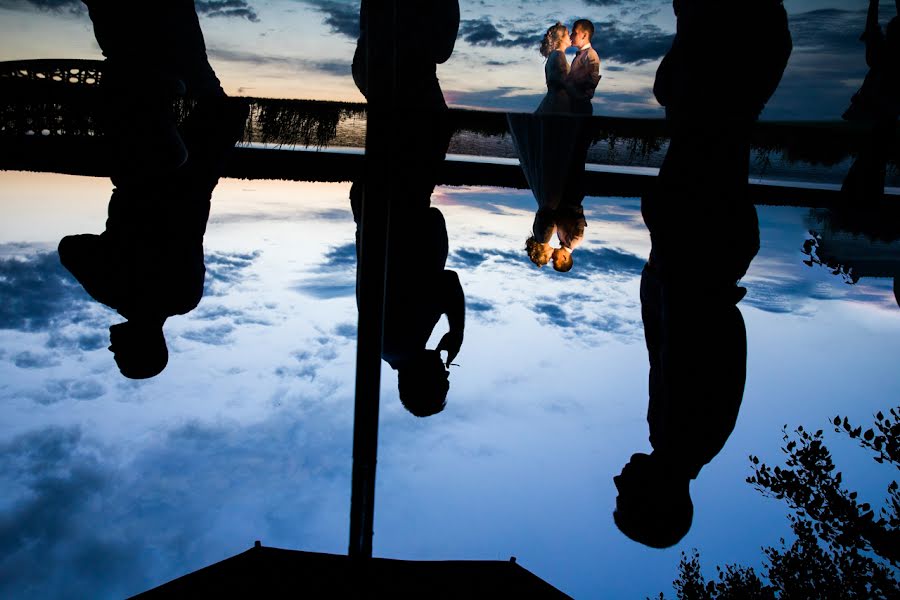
pixel 545 142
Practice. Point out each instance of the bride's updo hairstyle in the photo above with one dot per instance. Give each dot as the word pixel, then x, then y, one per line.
pixel 552 38
pixel 535 252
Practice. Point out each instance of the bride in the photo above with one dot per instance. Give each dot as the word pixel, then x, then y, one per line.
pixel 544 142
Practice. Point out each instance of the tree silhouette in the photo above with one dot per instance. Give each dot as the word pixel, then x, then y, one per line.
pixel 842 548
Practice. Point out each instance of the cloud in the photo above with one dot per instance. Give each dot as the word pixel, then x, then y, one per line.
pixel 83 519
pixel 340 257
pixel 831 29
pixel 58 390
pixel 346 330
pixel 633 43
pixel 341 17
pixel 512 98
pixel 825 68
pixel 70 6
pixel 84 341
pixel 31 360
pixel 467 259
pixel 240 9
pixel 290 63
pixel 327 288
pixel 37 291
pixel 553 314
pixel 52 481
pixel 589 262
pixel 225 269
pixel 213 335
pixel 483 32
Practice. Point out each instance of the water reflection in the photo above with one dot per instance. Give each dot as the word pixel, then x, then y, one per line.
pixel 856 244
pixel 695 334
pixel 876 105
pixel 414 131
pixel 148 263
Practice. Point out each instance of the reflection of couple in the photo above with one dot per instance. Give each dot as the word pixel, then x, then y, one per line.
pixel 148 263
pixel 418 290
pixel 699 213
pixel 552 144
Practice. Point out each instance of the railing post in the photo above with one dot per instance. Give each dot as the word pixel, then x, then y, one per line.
pixel 381 30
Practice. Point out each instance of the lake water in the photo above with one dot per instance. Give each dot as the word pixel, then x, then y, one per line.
pixel 112 486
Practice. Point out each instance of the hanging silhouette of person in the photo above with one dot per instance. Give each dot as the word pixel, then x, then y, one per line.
pixel 704 231
pixel 148 263
pixel 418 287
pixel 876 105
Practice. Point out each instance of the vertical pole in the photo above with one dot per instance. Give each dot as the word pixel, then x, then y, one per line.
pixel 381 29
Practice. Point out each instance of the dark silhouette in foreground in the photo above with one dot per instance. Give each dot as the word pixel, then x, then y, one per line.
pixel 704 234
pixel 265 572
pixel 876 105
pixel 148 263
pixel 418 288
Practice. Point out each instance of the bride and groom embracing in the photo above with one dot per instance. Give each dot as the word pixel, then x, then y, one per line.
pixel 552 143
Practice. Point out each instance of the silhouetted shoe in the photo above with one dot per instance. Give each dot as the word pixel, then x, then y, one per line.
pixel 86 257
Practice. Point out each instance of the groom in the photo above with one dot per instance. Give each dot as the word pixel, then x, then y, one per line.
pixel 584 73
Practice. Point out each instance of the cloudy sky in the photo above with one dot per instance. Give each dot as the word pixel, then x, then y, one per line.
pixel 111 486
pixel 303 49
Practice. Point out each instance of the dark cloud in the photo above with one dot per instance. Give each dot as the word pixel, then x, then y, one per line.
pixel 633 43
pixel 610 261
pixel 32 360
pixel 478 305
pixel 295 64
pixel 36 291
pixel 332 214
pixel 57 390
pixel 483 32
pixel 213 335
pixel 327 288
pixel 505 97
pixel 341 17
pixel 553 314
pixel 52 482
pixel 826 66
pixel 71 6
pixel 467 259
pixel 85 520
pixel 340 257
pixel 240 9
pixel 216 311
pixel 831 29
pixel 225 269
pixel 346 330
pixel 84 341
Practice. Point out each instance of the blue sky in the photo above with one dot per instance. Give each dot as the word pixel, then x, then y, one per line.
pixel 303 48
pixel 111 486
